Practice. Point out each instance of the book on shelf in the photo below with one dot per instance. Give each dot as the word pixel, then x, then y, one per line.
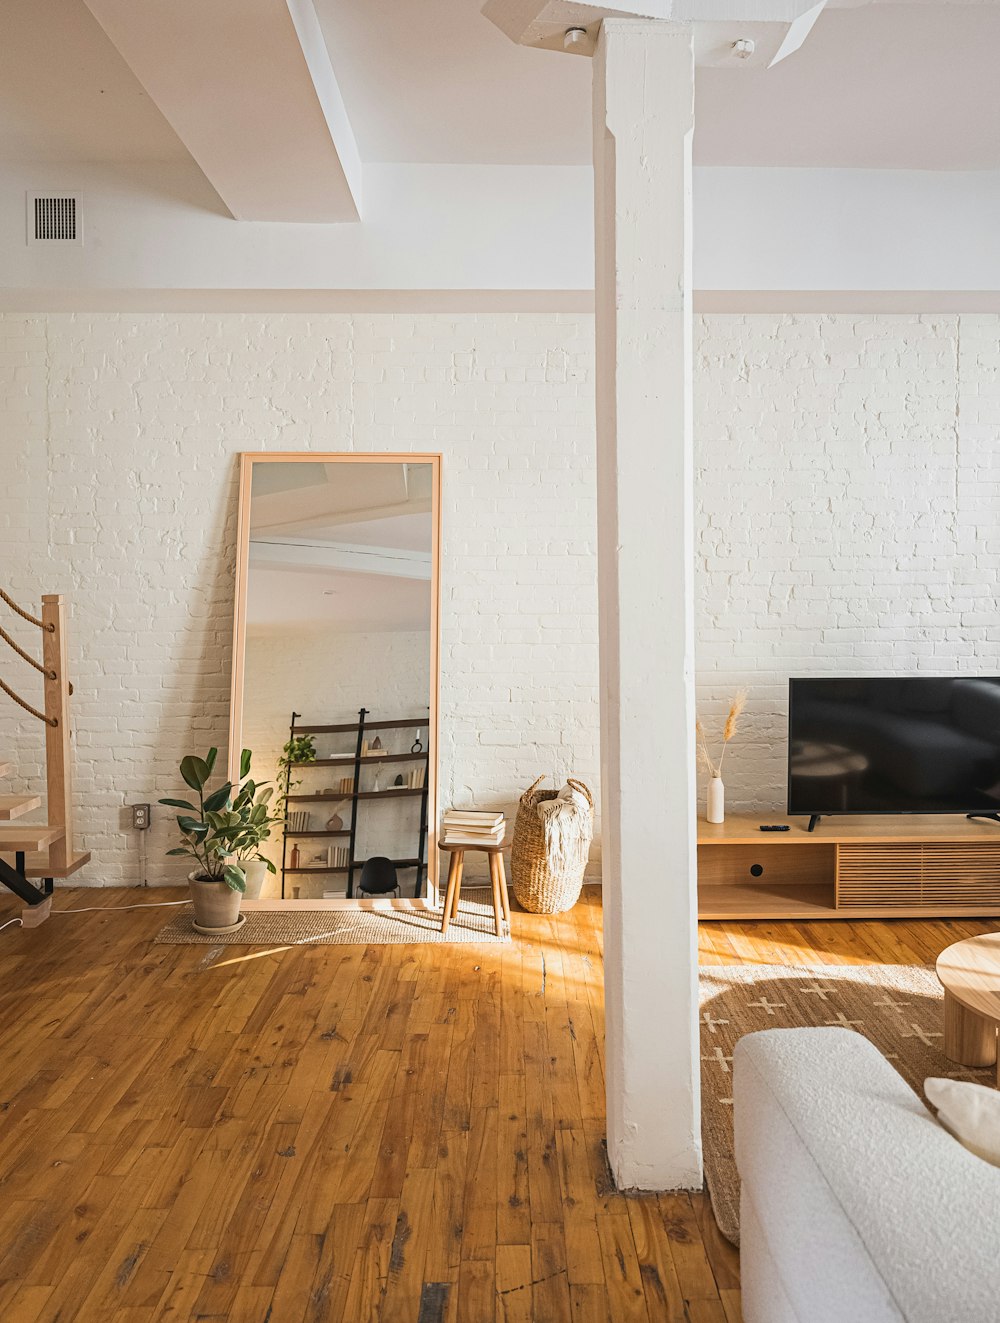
pixel 337 856
pixel 297 821
pixel 415 778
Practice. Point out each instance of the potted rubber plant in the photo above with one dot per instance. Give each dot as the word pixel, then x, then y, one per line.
pixel 222 834
pixel 253 804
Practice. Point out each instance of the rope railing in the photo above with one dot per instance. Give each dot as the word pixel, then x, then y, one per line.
pixel 49 721
pixel 26 656
pixel 25 615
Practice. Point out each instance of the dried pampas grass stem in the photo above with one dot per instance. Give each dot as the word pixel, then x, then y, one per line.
pixel 736 708
pixel 704 757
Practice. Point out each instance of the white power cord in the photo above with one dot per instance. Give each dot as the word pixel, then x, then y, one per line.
pixel 103 909
pixel 113 909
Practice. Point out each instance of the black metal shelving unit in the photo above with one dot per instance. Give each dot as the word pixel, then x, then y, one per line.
pixel 360 728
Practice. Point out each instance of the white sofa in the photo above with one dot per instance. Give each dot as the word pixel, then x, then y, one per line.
pixel 856 1206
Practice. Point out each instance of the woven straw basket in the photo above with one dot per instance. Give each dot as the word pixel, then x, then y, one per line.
pixel 538 888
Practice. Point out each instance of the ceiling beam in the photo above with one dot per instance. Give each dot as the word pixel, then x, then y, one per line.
pixel 249 88
pixel 322 557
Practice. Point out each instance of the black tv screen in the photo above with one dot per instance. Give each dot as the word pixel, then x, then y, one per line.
pixel 910 745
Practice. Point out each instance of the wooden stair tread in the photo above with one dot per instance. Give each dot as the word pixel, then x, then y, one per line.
pixel 36 864
pixel 12 806
pixel 30 836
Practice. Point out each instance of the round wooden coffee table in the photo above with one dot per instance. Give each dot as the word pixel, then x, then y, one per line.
pixel 969 972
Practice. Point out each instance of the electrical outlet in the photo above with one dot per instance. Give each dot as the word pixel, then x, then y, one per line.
pixel 140 817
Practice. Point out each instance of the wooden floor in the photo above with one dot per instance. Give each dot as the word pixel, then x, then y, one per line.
pixel 404 1134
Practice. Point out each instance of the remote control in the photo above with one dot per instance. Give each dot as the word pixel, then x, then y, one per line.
pixel 774 826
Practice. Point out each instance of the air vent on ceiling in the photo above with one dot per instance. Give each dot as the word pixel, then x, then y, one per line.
pixel 54 218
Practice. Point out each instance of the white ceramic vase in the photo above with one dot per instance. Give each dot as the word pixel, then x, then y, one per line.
pixel 716 800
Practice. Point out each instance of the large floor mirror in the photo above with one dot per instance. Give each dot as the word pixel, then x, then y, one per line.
pixel 335 668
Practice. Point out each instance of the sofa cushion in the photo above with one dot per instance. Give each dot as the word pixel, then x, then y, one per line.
pixel 970 1112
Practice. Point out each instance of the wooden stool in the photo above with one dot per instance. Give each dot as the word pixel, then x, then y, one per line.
pixel 498 877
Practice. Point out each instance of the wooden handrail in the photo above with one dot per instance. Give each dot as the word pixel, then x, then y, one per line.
pixel 58 759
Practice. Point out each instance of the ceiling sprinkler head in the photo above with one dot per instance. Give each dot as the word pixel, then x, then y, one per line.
pixel 744 48
pixel 574 37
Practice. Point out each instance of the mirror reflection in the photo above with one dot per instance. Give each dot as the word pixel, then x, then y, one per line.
pixel 338 691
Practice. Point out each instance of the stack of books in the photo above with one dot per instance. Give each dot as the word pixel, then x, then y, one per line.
pixel 472 827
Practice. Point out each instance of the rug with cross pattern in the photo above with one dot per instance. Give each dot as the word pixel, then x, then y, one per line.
pixel 899 1007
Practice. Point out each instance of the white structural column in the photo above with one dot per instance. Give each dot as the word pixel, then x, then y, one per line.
pixel 643 122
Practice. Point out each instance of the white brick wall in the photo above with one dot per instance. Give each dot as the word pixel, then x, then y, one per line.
pixel 848 488
pixel 847 472
pixel 123 432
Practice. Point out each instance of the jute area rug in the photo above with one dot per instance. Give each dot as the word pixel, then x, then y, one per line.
pixel 382 927
pixel 899 1007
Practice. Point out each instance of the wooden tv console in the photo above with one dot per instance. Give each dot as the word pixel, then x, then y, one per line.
pixel 848 868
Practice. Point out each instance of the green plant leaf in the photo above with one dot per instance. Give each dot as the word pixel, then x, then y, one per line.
pixel 178 803
pixel 181 849
pixel 195 771
pixel 234 877
pixel 218 798
pixel 210 758
pixel 245 757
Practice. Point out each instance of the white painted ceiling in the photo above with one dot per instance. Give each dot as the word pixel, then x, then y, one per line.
pixel 448 86
pixel 67 95
pixel 879 86
pixel 884 85
pixel 892 86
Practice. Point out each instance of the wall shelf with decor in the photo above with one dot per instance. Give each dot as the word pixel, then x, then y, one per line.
pixel 351 795
pixel 912 866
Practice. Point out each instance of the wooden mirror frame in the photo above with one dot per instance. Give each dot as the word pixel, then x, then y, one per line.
pixel 248 458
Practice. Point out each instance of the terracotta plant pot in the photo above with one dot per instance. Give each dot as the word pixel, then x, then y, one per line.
pixel 216 905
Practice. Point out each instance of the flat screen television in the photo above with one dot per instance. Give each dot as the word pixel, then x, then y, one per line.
pixel 914 744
